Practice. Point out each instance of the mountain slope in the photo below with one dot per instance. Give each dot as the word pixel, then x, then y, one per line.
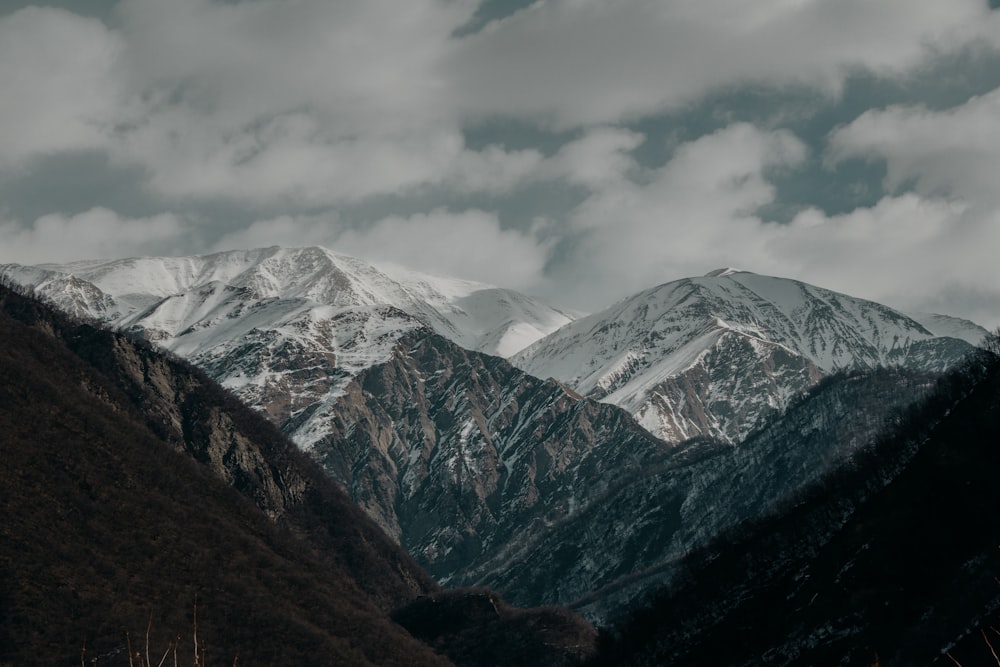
pixel 286 329
pixel 885 561
pixel 107 523
pixel 608 554
pixel 490 476
pixel 468 460
pixel 717 355
pixel 133 486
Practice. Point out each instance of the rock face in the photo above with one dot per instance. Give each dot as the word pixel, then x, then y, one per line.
pixel 610 552
pixel 720 354
pixel 469 461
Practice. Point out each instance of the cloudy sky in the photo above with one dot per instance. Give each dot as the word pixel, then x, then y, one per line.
pixel 579 150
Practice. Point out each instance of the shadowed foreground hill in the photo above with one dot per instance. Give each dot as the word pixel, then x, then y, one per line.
pixel 894 559
pixel 131 486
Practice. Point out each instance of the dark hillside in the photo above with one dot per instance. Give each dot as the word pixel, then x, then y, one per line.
pixel 106 524
pixel 132 486
pixel 180 405
pixel 891 560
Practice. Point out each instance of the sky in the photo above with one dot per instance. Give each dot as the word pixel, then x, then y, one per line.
pixel 577 150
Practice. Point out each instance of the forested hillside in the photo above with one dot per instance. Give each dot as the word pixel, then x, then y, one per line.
pixel 892 559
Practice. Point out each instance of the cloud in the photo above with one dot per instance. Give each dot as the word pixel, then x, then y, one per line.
pixel 954 152
pixel 272 105
pixel 364 65
pixel 596 160
pixel 897 250
pixel 910 251
pixel 695 212
pixel 291 160
pixel 97 233
pixel 319 104
pixel 285 230
pixel 313 104
pixel 57 77
pixel 577 62
pixel 950 159
pixel 700 212
pixel 470 244
pixel 280 110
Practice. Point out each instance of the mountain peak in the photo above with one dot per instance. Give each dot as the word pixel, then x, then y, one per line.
pixel 699 344
pixel 725 271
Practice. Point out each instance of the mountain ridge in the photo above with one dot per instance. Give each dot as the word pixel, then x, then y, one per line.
pixel 693 341
pixel 489 475
pixel 133 487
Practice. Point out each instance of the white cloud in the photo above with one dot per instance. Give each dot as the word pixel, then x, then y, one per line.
pixel 57 82
pixel 951 159
pixel 909 251
pixel 573 62
pixel 317 103
pixel 309 105
pixel 97 233
pixel 955 152
pixel 366 66
pixel 300 104
pixel 601 157
pixel 698 213
pixel 291 160
pixel 470 244
pixel 286 230
pixel 692 215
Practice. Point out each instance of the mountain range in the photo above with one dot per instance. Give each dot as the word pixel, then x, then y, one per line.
pixel 665 419
pixel 888 559
pixel 146 506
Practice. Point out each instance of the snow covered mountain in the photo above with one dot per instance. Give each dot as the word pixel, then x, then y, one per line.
pixel 171 296
pixel 718 354
pixel 487 474
pixel 286 329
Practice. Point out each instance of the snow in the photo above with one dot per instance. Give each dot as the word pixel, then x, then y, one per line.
pixel 952 327
pixel 344 313
pixel 241 313
pixel 622 354
pixel 475 315
pixel 726 271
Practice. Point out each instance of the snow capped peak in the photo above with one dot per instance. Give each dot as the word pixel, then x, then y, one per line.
pixel 172 290
pixel 721 272
pixel 694 344
pixel 288 328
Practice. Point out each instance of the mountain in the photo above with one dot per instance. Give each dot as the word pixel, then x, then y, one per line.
pixel 717 355
pixel 489 475
pixel 471 462
pixel 140 497
pixel 609 554
pixel 172 297
pixel 888 559
pixel 951 327
pixel 286 329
